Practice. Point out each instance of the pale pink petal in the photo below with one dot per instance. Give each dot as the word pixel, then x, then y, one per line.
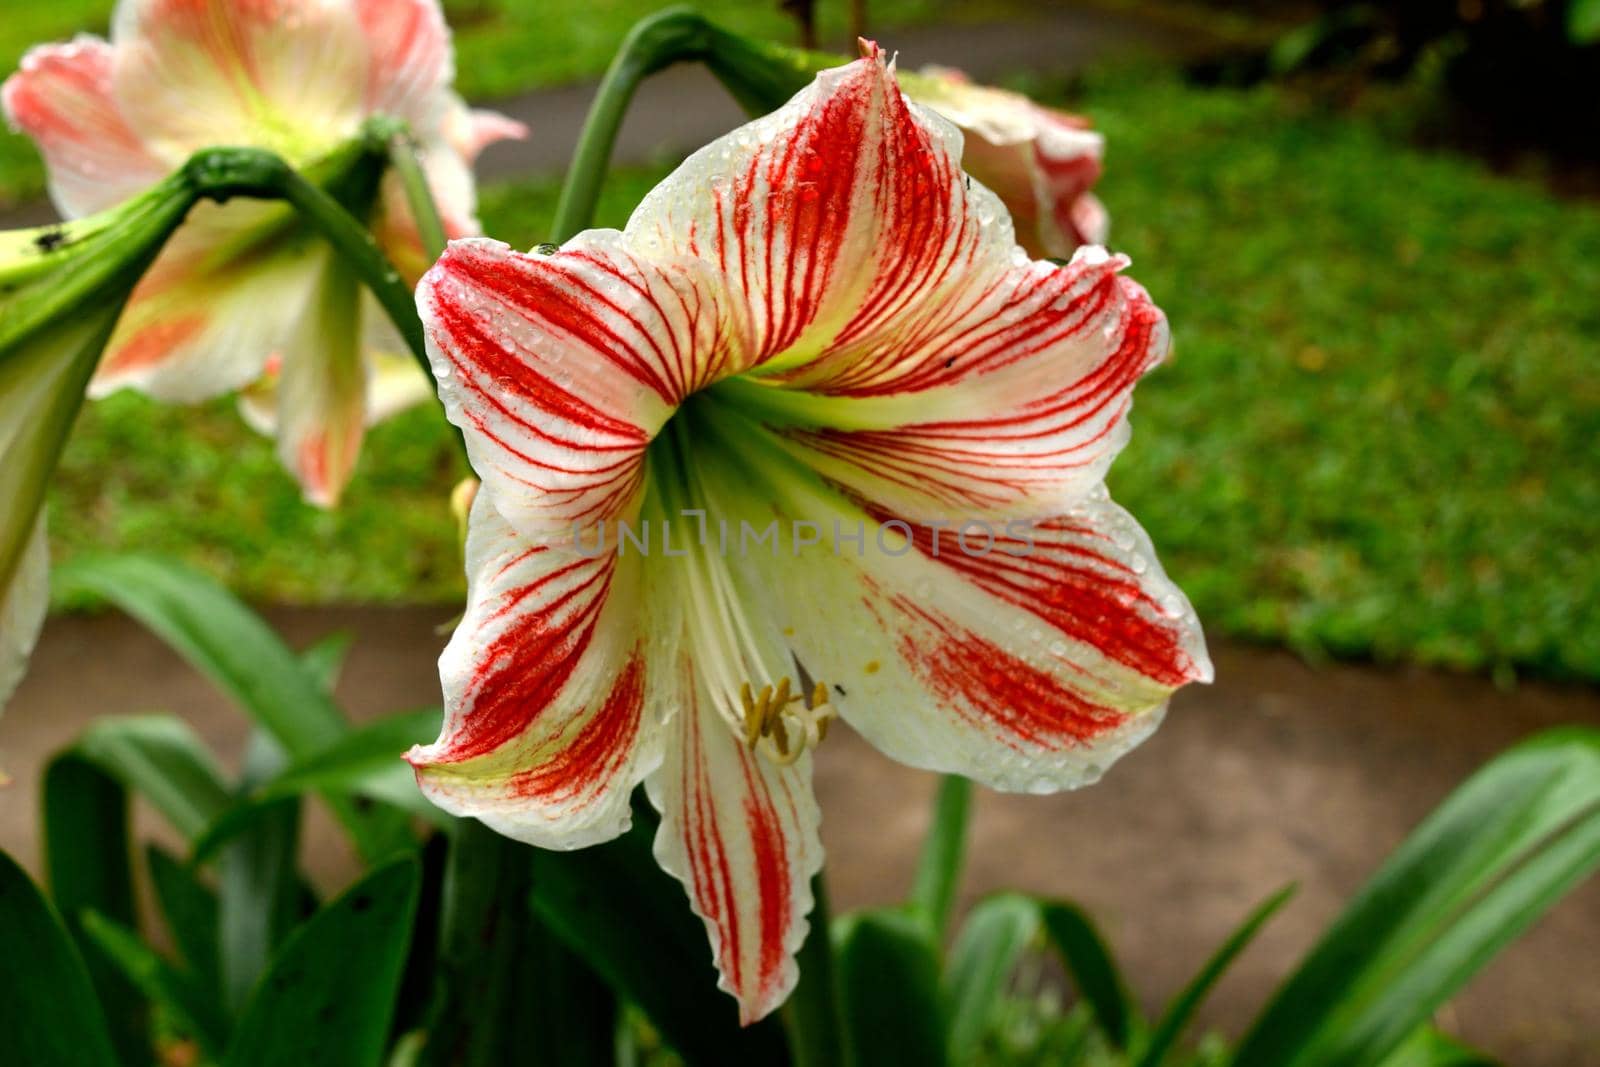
pixel 740 833
pixel 322 389
pixel 408 46
pixel 547 692
pixel 219 300
pixel 289 75
pixel 61 97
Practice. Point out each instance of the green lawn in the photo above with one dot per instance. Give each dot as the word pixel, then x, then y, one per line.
pixel 1376 435
pixel 502 46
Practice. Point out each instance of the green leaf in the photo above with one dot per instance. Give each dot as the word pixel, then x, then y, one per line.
pixel 1427 1047
pixel 811 1016
pixel 1093 970
pixel 1583 21
pixel 191 913
pixel 624 916
pixel 1170 1028
pixel 160 758
pixel 224 640
pixel 192 1004
pixel 329 997
pixel 366 762
pixel 260 894
pixel 48 1011
pixel 325 659
pixel 933 893
pixel 889 989
pixel 1490 860
pixel 981 962
pixel 87 855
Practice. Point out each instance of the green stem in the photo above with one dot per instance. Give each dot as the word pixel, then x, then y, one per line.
pixel 405 158
pixel 939 868
pixel 811 1017
pixel 760 76
pixel 654 43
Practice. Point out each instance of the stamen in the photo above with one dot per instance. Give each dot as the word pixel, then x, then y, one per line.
pixel 782 725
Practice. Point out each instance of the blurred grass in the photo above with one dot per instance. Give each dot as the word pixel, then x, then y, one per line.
pixel 1376 435
pixel 502 46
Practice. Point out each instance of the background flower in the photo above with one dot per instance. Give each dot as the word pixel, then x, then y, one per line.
pixel 1042 163
pixel 241 286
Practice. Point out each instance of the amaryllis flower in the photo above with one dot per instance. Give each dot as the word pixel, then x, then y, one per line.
pixel 242 286
pixel 1042 163
pixel 24 596
pixel 810 370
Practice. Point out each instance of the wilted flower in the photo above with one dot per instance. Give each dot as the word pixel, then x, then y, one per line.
pixel 1041 163
pixel 814 329
pixel 243 286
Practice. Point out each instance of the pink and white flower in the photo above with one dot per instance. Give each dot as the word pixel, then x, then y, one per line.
pixel 815 319
pixel 1041 163
pixel 241 286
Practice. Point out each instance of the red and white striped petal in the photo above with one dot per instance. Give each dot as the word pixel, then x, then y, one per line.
pixel 290 75
pixel 831 220
pixel 559 369
pixel 23 603
pixel 1041 163
pixel 1011 402
pixel 1027 657
pixel 550 700
pixel 740 833
pixel 219 300
pixel 61 97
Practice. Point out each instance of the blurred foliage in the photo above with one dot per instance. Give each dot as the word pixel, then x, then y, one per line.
pixel 1502 73
pixel 1375 436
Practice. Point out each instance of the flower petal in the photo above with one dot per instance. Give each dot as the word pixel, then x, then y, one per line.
pixel 1010 400
pixel 740 833
pixel 1027 657
pixel 559 369
pixel 218 301
pixel 322 392
pixel 829 218
pixel 409 60
pixel 289 75
pixel 546 687
pixel 23 603
pixel 61 97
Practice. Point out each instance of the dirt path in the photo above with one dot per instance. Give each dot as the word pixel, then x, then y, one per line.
pixel 1277 773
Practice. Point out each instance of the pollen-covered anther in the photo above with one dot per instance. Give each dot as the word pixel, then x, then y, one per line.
pixel 781 725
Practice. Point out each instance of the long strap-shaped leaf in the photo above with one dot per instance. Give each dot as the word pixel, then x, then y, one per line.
pixel 88 857
pixel 48 1012
pixel 978 972
pixel 223 639
pixel 1500 851
pixel 1183 1006
pixel 1093 970
pixel 329 998
pixel 889 990
pixel 193 1006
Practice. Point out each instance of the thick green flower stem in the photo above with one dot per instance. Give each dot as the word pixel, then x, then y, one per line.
pixel 933 893
pixel 405 158
pixel 759 75
pixel 508 991
pixel 811 1016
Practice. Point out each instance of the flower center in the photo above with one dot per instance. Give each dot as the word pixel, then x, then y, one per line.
pixel 781 726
